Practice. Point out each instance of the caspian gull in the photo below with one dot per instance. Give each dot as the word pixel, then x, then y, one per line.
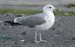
pixel 42 21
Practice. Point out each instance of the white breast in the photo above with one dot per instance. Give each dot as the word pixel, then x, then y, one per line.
pixel 49 23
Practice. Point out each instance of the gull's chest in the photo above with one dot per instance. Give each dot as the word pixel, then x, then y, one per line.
pixel 48 24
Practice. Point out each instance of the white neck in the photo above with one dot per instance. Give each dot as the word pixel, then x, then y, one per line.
pixel 50 14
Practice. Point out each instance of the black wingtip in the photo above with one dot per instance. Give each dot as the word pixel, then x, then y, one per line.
pixel 12 23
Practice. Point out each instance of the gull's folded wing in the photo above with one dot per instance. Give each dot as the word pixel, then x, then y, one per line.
pixel 32 20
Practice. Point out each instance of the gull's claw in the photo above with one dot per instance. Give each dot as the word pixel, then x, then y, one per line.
pixel 43 41
pixel 37 41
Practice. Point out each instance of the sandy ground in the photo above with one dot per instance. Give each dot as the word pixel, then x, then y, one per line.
pixel 62 34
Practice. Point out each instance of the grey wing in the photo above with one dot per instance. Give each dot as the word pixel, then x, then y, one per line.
pixel 32 21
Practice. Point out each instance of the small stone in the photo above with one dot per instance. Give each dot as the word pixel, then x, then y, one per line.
pixel 22 40
pixel 24 33
pixel 53 28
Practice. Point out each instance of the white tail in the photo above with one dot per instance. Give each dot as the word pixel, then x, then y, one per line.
pixel 15 20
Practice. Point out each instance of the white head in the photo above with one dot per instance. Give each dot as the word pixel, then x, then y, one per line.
pixel 48 8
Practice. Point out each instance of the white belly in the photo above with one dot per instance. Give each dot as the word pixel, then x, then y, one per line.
pixel 46 25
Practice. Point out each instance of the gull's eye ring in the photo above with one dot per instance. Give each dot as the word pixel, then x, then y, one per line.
pixel 49 7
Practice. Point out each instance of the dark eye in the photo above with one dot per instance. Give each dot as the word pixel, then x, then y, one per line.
pixel 49 7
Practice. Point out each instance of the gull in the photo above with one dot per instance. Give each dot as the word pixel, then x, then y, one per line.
pixel 42 21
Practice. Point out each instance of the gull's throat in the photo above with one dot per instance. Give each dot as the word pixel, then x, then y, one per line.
pixel 50 15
